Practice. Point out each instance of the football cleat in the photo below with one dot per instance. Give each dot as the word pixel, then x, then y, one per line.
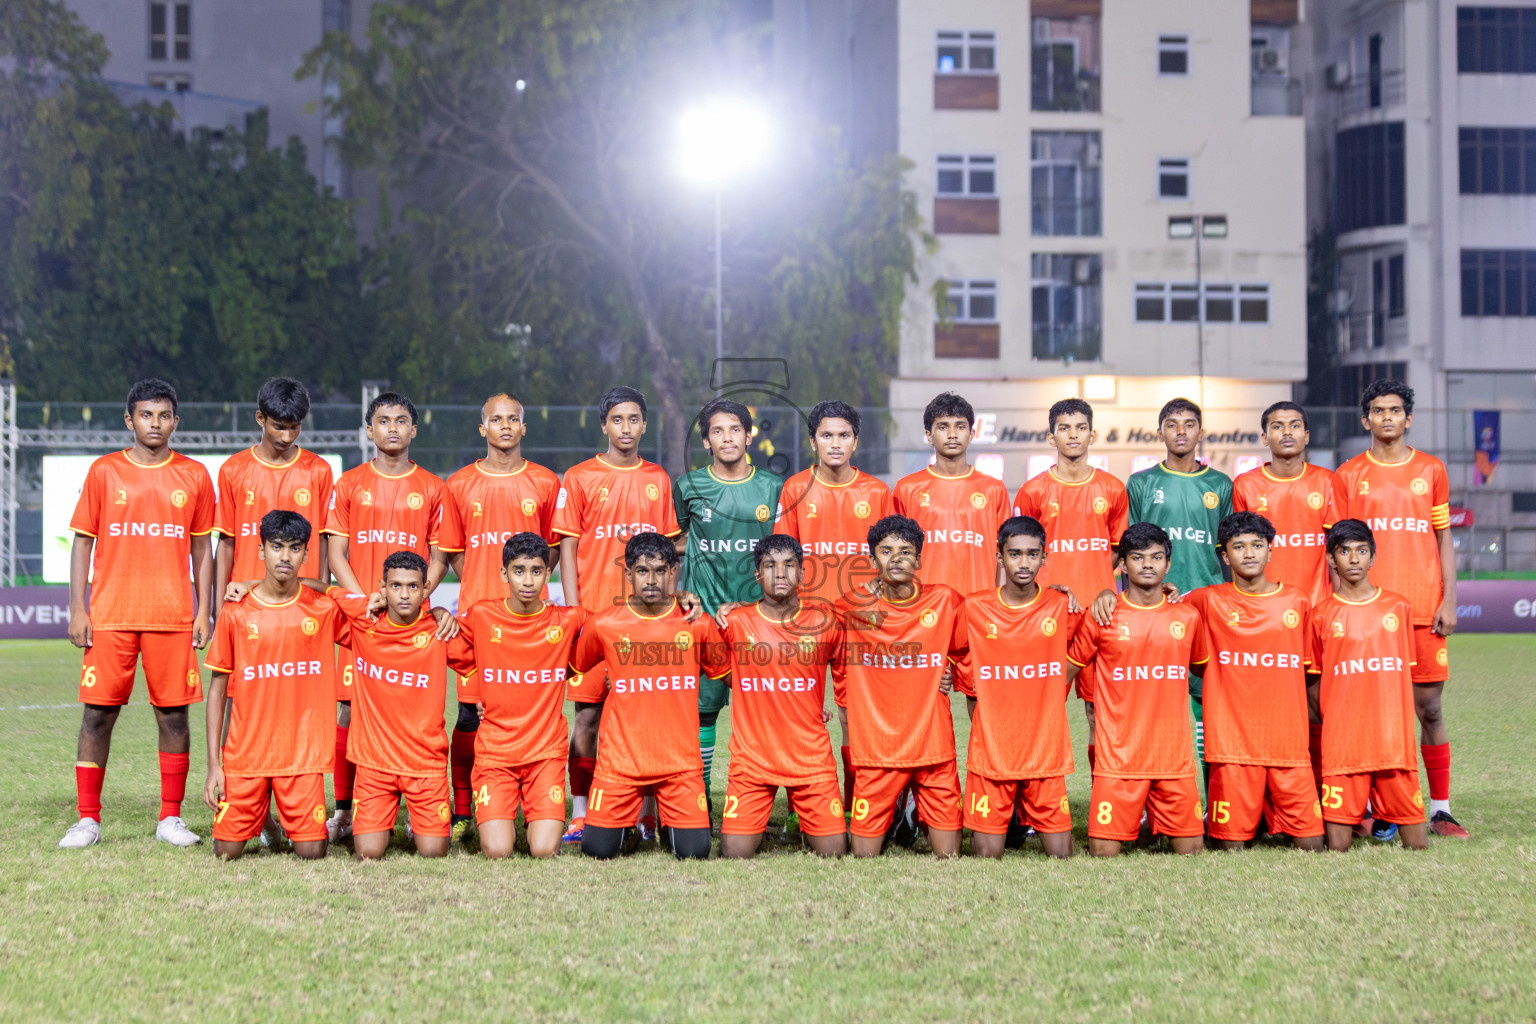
pixel 1383 831
pixel 1442 824
pixel 272 835
pixel 904 826
pixel 174 831
pixel 83 833
pixel 647 829
pixel 573 830
pixel 338 828
pixel 458 832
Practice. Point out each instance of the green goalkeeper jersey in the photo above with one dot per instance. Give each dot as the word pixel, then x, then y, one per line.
pixel 1189 507
pixel 723 520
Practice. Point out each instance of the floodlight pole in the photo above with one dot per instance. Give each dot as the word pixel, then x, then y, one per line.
pixel 10 552
pixel 719 292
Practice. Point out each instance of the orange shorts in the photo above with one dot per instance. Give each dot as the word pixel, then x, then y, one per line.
pixel 680 801
pixel 170 668
pixel 1431 661
pixel 300 803
pixel 344 675
pixel 748 801
pixel 1237 798
pixel 376 802
pixel 1394 797
pixel 591 687
pixel 538 786
pixel 1085 684
pixel 1114 810
pixel 1043 804
pixel 876 790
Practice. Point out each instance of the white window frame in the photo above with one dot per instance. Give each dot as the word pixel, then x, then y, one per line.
pixel 1173 42
pixel 961 292
pixel 1172 165
pixel 170 81
pixel 965 41
pixel 1166 292
pixel 966 164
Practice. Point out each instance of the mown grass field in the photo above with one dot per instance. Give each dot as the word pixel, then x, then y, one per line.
pixel 136 930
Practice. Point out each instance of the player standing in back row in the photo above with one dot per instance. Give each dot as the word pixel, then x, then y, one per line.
pixel 1404 496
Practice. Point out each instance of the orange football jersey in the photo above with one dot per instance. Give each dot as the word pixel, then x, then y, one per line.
pixel 832 523
pixel 605 505
pixel 399 690
pixel 143 519
pixel 779 675
pixel 281 663
pixel 1255 693
pixel 380 515
pixel 1404 504
pixel 650 723
pixel 1141 664
pixel 1301 509
pixel 1016 657
pixel 522 664
pixel 482 510
pixel 888 660
pixel 249 488
pixel 1364 650
pixel 960 516
pixel 1083 523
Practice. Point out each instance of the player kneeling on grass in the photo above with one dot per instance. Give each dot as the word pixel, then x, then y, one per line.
pixel 1362 647
pixel 1141 661
pixel 779 652
pixel 522 652
pixel 278 644
pixel 1255 695
pixel 890 669
pixel 1016 639
pixel 650 721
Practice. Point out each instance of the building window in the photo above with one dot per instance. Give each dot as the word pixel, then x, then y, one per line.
pixel 1064 63
pixel 974 176
pixel 1498 282
pixel 1179 302
pixel 178 41
pixel 336 16
pixel 1173 55
pixel 973 302
pixel 1369 177
pixel 1397 287
pixel 974 52
pixel 171 82
pixel 1173 178
pixel 1064 183
pixel 1498 161
pixel 1495 40
pixel 1066 307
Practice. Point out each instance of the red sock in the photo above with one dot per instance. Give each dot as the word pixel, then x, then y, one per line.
pixel 581 774
pixel 173 783
pixel 88 776
pixel 1315 749
pixel 1437 765
pixel 847 777
pixel 342 772
pixel 461 761
pixel 1093 758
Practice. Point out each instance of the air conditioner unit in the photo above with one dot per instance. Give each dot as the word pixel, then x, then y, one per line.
pixel 1267 61
pixel 1338 74
pixel 1041 30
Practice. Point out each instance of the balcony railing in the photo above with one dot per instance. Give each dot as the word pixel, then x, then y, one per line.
pixel 1276 96
pixel 1390 89
pixel 1065 217
pixel 1067 342
pixel 1064 92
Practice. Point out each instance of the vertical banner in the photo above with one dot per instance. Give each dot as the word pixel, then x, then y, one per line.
pixel 1485 431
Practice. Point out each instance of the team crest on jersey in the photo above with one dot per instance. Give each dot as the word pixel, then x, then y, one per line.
pixel 1123 633
pixel 1442 657
pixel 1419 486
pixel 553 635
pixel 651 492
pixel 1100 506
pixel 1233 617
pixel 476 510
pixel 751 641
pixel 251 632
pixel 415 500
pixel 1365 487
pixel 192 679
pixel 810 510
pixel 250 497
pixel 978 500
pixel 807 644
pixel 1177 629
pixel 495 634
pixel 991 631
pixel 1209 499
pixel 302 497
pixel 1315 500
pixel 924 500
pixel 442 811
pixel 1291 618
pixel 1263 504
pixel 1055 509
pixel 762 513
pixel 179 498
pixel 1048 626
pixel 1389 622
pixel 1418 800
pixel 835 807
pixel 529 506
pixel 1338 628
pixel 602 495
pixel 557 794
pixel 861 509
pixel 929 617
pixel 121 497
pixel 365 498
pixel 421 639
pixel 703 803
pixel 318 814
pixel 683 639
pixel 310 625
pixel 623 645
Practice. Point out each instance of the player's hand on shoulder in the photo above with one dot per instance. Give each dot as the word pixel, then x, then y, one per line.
pixel 447 625
pixel 376 604
pixel 1103 607
pixel 690 604
pixel 80 633
pixel 1171 592
pixel 1073 606
pixel 236 590
pixel 726 609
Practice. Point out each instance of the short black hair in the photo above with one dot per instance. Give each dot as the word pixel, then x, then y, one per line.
pixel 899 527
pixel 1068 406
pixel 774 543
pixel 1377 388
pixel 947 403
pixel 283 399
pixel 408 560
pixel 1179 405
pixel 1283 407
pixel 280 524
pixel 718 405
pixel 1020 526
pixel 151 389
pixel 390 398
pixel 1139 537
pixel 526 545
pixel 1239 523
pixel 832 410
pixel 649 545
pixel 1347 530
pixel 618 396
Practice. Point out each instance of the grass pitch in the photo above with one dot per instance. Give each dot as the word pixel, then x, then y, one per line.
pixel 137 930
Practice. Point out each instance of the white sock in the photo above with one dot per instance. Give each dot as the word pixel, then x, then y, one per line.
pixel 578 807
pixel 1436 806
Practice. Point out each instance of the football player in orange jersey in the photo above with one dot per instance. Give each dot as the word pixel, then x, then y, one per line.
pixel 143 514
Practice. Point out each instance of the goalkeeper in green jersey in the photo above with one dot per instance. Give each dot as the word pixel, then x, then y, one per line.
pixel 724 510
